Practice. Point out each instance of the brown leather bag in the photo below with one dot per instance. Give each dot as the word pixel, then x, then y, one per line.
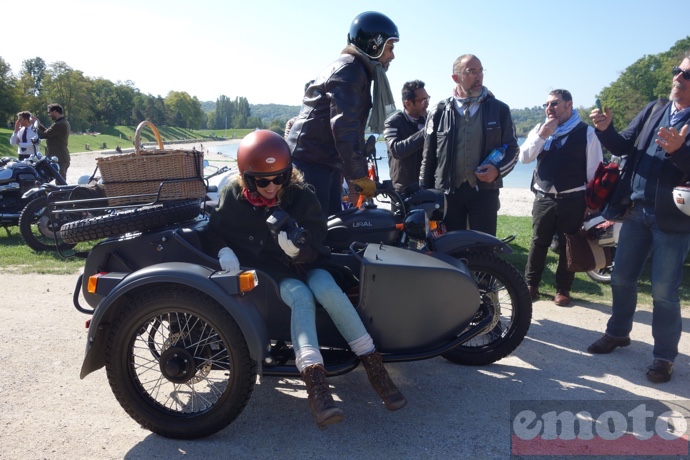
pixel 584 253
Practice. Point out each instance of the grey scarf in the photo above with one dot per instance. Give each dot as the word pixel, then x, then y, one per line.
pixel 383 103
pixel 383 99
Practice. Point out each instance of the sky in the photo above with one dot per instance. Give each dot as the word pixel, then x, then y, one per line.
pixel 265 51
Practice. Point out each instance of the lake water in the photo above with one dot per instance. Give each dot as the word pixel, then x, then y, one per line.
pixel 520 176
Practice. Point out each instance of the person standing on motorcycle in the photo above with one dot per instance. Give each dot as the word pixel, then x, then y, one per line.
pixel 567 153
pixel 267 181
pixel 57 137
pixel 327 138
pixel 23 134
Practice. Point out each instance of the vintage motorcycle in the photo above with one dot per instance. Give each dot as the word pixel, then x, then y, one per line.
pixel 182 341
pixel 22 186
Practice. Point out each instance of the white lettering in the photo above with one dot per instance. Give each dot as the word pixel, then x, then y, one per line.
pixel 521 426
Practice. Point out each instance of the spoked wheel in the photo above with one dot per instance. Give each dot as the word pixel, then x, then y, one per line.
pixel 504 292
pixel 178 363
pixel 603 275
pixel 37 228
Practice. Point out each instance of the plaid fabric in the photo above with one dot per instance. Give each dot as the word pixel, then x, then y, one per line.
pixel 601 186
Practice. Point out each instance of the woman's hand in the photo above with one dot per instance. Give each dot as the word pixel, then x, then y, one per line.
pixel 228 260
pixel 287 246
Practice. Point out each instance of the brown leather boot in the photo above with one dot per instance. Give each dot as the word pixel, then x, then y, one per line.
pixel 320 400
pixel 381 381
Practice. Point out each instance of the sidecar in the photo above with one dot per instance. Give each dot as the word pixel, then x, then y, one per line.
pixel 182 341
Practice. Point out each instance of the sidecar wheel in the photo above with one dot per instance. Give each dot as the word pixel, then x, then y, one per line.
pixel 505 292
pixel 178 364
pixel 132 220
pixel 37 228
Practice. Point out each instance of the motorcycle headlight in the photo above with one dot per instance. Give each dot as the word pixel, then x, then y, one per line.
pixel 417 224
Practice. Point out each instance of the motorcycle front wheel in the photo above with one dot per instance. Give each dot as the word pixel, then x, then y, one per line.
pixel 178 363
pixel 504 292
pixel 603 275
pixel 38 229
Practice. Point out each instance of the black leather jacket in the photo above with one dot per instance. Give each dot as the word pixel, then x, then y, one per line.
pixel 438 163
pixel 329 129
pixel 405 143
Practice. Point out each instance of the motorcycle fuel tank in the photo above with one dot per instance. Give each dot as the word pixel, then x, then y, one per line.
pixel 366 225
pixel 413 301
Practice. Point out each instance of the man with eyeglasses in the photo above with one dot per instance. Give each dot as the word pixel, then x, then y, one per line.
pixel 57 137
pixel 567 153
pixel 460 133
pixel 657 150
pixel 404 134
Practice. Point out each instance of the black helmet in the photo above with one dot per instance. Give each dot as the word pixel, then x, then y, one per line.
pixel 370 31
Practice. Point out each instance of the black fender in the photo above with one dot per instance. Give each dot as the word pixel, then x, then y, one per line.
pixel 221 286
pixel 462 240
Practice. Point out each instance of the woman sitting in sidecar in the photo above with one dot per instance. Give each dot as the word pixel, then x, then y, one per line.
pixel 268 219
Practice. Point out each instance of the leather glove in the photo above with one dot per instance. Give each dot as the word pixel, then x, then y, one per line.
pixel 287 246
pixel 365 186
pixel 228 260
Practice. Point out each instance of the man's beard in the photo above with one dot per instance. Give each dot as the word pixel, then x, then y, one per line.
pixel 677 87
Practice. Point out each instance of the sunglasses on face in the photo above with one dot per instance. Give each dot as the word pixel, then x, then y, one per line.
pixel 551 104
pixel 263 182
pixel 686 73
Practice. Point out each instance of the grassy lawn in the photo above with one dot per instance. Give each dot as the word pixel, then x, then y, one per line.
pixel 583 287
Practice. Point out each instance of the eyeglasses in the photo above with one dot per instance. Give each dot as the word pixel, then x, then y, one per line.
pixel 474 72
pixel 686 73
pixel 551 104
pixel 421 99
pixel 263 182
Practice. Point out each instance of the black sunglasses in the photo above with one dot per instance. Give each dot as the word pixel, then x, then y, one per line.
pixel 686 73
pixel 551 104
pixel 263 183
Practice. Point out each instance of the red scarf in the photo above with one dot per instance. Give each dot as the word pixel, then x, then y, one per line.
pixel 256 199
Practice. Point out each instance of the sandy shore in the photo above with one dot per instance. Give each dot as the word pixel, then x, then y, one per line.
pixel 514 201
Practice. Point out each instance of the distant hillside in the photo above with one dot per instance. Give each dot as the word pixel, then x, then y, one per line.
pixel 267 112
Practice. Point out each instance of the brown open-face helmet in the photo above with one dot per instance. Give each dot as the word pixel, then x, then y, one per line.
pixel 263 153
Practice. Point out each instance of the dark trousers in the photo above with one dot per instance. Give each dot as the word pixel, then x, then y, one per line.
pixel 327 183
pixel 553 216
pixel 467 205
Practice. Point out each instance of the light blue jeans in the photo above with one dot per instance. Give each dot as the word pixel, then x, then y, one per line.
pixel 640 237
pixel 300 298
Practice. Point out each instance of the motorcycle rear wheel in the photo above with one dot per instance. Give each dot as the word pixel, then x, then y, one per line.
pixel 505 293
pixel 132 220
pixel 37 228
pixel 178 364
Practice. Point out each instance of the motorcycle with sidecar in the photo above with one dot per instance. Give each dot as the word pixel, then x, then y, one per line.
pixel 182 341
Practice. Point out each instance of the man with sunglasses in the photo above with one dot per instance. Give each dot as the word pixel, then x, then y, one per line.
pixel 461 131
pixel 657 150
pixel 567 153
pixel 404 134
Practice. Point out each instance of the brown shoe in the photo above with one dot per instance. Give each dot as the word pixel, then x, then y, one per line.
pixel 562 298
pixel 660 371
pixel 381 381
pixel 607 344
pixel 533 293
pixel 320 400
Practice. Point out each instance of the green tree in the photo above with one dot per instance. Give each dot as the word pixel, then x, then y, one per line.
pixel 184 109
pixel 35 71
pixel 9 96
pixel 71 89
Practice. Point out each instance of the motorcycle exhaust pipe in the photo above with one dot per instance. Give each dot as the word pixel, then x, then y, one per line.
pixel 9 218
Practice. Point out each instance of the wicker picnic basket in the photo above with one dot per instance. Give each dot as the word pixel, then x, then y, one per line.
pixel 177 174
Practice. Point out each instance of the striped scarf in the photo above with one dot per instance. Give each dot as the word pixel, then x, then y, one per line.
pixel 562 130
